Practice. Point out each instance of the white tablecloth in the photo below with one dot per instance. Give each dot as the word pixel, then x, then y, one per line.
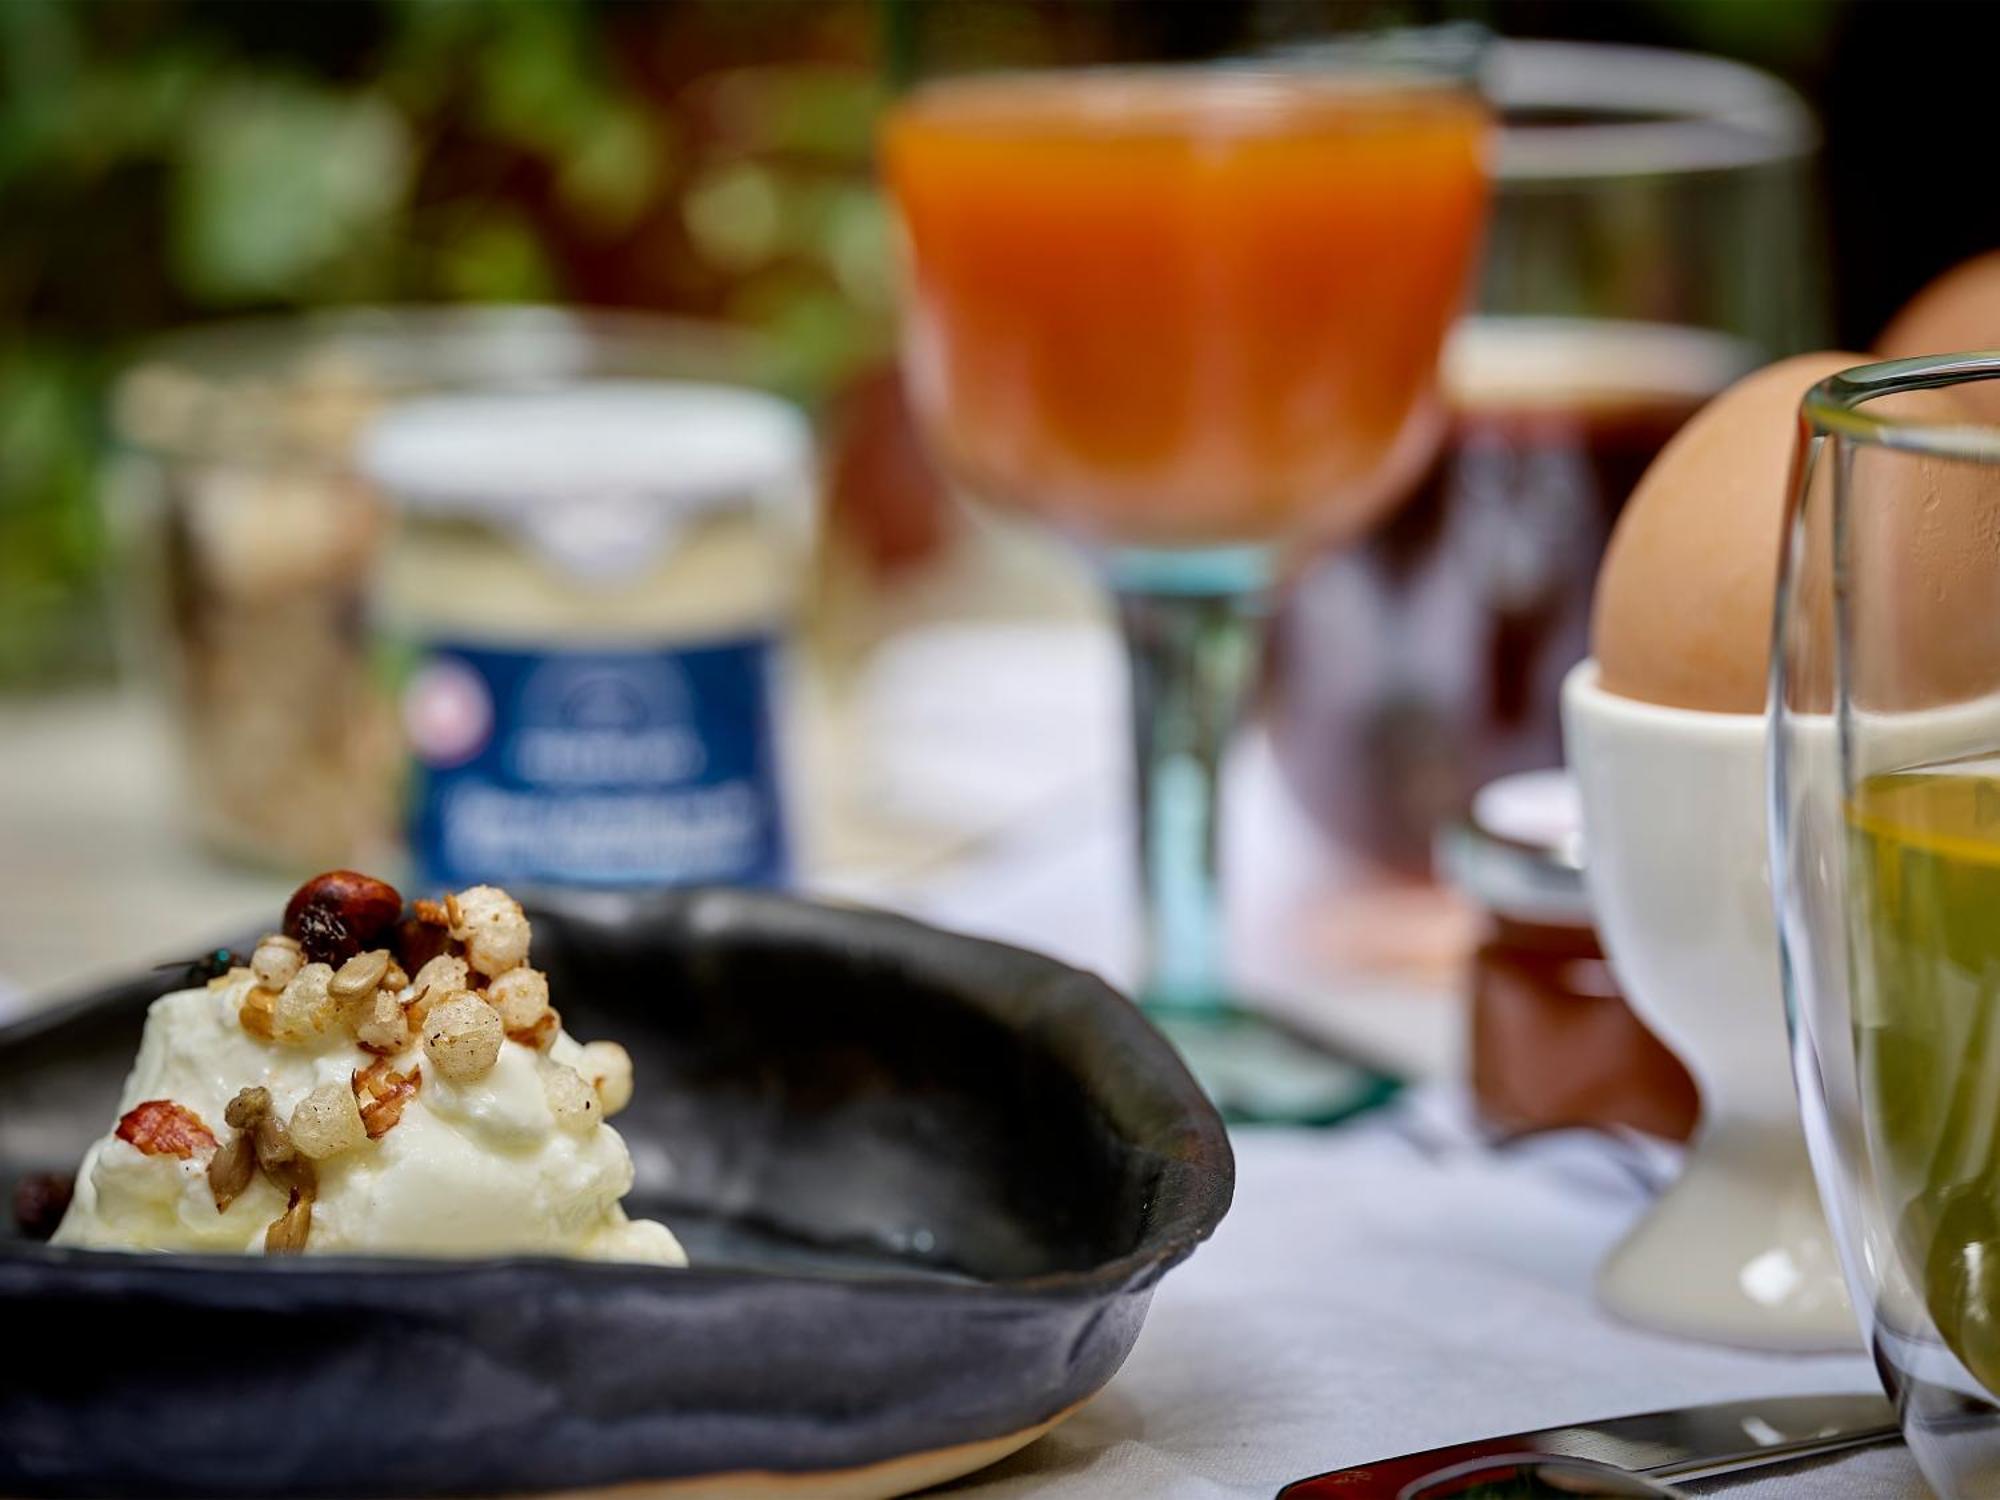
pixel 1391 1286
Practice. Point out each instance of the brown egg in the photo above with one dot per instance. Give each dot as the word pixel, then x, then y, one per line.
pixel 1683 609
pixel 1923 563
pixel 1959 311
pixel 1684 599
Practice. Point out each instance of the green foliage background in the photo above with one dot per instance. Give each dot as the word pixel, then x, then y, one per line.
pixel 168 161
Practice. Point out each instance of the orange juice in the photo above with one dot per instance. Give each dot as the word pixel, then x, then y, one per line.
pixel 1184 307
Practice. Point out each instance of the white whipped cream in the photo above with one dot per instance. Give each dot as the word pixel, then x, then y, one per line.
pixel 471 1169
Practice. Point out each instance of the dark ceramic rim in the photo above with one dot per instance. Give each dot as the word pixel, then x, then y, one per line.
pixel 1197 1163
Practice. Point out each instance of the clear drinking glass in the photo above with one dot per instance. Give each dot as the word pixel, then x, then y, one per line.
pixel 1190 316
pixel 1885 823
pixel 1653 237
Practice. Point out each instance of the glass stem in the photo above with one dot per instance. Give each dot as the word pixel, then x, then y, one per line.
pixel 1193 660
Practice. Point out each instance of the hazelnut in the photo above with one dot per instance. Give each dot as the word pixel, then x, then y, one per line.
pixel 340 913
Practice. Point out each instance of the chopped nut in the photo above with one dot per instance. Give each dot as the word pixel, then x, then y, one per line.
pixel 447 970
pixel 381 1094
pixel 258 1014
pixel 277 1153
pixel 608 1067
pixel 572 1101
pixel 248 1107
pixel 327 1122
pixel 383 1029
pixel 274 1143
pixel 492 926
pixel 276 960
pixel 444 975
pixel 522 998
pixel 360 975
pixel 230 1170
pixel 336 915
pixel 540 1036
pixel 160 1127
pixel 299 1173
pixel 305 1010
pixel 462 1037
pixel 419 939
pixel 287 1234
pixel 40 1201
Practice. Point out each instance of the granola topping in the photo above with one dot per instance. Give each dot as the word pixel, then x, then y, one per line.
pixel 160 1127
pixel 328 1135
pixel 380 1093
pixel 230 1170
pixel 287 1234
pixel 258 1014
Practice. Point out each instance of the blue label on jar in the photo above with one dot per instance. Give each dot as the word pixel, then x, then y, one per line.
pixel 591 767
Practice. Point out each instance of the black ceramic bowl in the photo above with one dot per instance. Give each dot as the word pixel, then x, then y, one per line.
pixel 927 1184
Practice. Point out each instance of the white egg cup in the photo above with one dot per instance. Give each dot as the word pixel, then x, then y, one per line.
pixel 1737 1251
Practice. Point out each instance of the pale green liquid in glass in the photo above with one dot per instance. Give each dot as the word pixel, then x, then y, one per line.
pixel 1926 941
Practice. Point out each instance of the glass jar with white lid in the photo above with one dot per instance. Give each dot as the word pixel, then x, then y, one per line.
pixel 587 606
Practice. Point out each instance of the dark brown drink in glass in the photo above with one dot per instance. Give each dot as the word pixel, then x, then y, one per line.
pixel 1426 660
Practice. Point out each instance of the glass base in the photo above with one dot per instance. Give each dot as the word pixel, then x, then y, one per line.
pixel 1258 1072
pixel 1192 572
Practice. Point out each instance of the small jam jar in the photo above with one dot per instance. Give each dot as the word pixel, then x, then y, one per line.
pixel 1553 1043
pixel 587 603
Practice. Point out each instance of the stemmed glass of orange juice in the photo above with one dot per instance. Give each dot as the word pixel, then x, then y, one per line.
pixel 1191 317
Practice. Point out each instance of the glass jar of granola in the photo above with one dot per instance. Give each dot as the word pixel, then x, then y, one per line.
pixel 252 542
